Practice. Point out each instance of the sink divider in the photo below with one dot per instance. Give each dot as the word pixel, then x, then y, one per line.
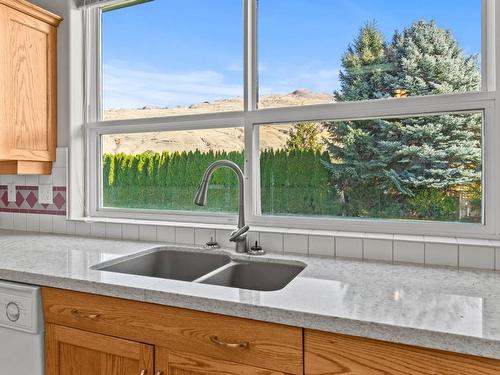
pixel 216 271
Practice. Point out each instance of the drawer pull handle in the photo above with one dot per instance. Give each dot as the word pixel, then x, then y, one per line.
pixel 143 372
pixel 233 345
pixel 84 315
pixel 159 373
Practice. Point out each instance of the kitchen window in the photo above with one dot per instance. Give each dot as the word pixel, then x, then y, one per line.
pixel 364 116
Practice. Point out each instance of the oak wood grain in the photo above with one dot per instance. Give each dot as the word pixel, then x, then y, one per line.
pixel 330 354
pixel 34 11
pixel 172 363
pixel 74 352
pixel 28 77
pixel 12 167
pixel 270 346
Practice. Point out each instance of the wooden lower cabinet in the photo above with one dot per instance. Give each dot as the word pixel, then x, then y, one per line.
pixel 96 335
pixel 172 363
pixel 331 354
pixel 72 351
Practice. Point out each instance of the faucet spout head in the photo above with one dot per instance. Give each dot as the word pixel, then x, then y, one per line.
pixel 200 198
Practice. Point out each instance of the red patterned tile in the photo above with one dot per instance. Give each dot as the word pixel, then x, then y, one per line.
pixel 59 200
pixel 19 199
pixel 31 199
pixel 5 199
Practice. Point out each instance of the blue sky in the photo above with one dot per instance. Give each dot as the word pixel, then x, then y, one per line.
pixel 180 52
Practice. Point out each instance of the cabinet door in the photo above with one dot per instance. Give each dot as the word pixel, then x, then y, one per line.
pixel 330 354
pixel 28 81
pixel 171 363
pixel 71 351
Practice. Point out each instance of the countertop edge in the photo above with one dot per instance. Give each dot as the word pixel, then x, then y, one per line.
pixel 385 332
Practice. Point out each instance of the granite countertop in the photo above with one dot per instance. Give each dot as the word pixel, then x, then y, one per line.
pixel 448 309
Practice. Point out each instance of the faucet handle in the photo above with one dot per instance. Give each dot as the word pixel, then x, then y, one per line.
pixel 238 233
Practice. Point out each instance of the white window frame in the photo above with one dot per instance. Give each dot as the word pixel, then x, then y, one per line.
pixel 251 117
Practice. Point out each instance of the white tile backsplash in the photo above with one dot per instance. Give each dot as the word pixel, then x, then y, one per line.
pixel 377 249
pixel 46 222
pixel 253 237
pixel 347 247
pixel 222 238
pixel 322 245
pixel 58 224
pixel 81 228
pixel 184 235
pixel 70 227
pixel 59 176
pixel 130 232
pixel 441 254
pixel 33 223
pixel 165 234
pixel 497 259
pixel 7 220
pixel 203 235
pixel 98 230
pixel 272 242
pixel 19 179
pixel 31 180
pixel 147 232
pixel 20 221
pixel 45 180
pixel 295 243
pixel 409 251
pixel 6 179
pixel 114 230
pixel 467 253
pixel 61 157
pixel 476 257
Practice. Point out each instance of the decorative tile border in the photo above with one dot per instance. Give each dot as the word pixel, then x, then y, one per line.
pixel 27 201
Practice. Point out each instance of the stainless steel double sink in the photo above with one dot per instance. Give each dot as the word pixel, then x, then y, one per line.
pixel 207 268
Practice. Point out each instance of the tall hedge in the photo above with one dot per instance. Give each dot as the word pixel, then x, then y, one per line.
pixel 291 182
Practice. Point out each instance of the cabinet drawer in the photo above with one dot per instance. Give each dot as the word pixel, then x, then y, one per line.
pixel 327 353
pixel 245 341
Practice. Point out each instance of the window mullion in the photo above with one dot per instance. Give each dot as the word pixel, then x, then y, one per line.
pixel 250 55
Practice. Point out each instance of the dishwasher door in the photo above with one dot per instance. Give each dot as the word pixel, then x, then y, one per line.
pixel 21 329
pixel 20 352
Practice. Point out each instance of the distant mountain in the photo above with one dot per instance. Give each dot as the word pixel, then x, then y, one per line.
pixel 227 139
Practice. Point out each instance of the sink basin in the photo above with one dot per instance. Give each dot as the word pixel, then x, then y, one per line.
pixel 170 264
pixel 259 276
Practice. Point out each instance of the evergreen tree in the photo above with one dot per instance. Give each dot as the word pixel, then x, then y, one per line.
pixel 357 162
pixel 434 151
pixel 402 157
pixel 365 64
pixel 429 60
pixel 305 136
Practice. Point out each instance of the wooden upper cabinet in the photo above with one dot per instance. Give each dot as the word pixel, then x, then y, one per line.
pixel 71 351
pixel 28 88
pixel 331 354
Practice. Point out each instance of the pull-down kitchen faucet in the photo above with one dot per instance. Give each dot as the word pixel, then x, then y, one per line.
pixel 239 236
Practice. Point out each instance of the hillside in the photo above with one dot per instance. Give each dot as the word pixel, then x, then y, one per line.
pixel 227 139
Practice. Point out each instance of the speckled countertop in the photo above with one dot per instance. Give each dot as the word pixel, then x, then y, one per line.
pixel 439 308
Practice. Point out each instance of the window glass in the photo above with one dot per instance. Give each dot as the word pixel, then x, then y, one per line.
pixel 172 57
pixel 415 168
pixel 323 51
pixel 162 170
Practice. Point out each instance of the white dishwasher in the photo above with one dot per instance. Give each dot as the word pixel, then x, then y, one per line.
pixel 21 329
